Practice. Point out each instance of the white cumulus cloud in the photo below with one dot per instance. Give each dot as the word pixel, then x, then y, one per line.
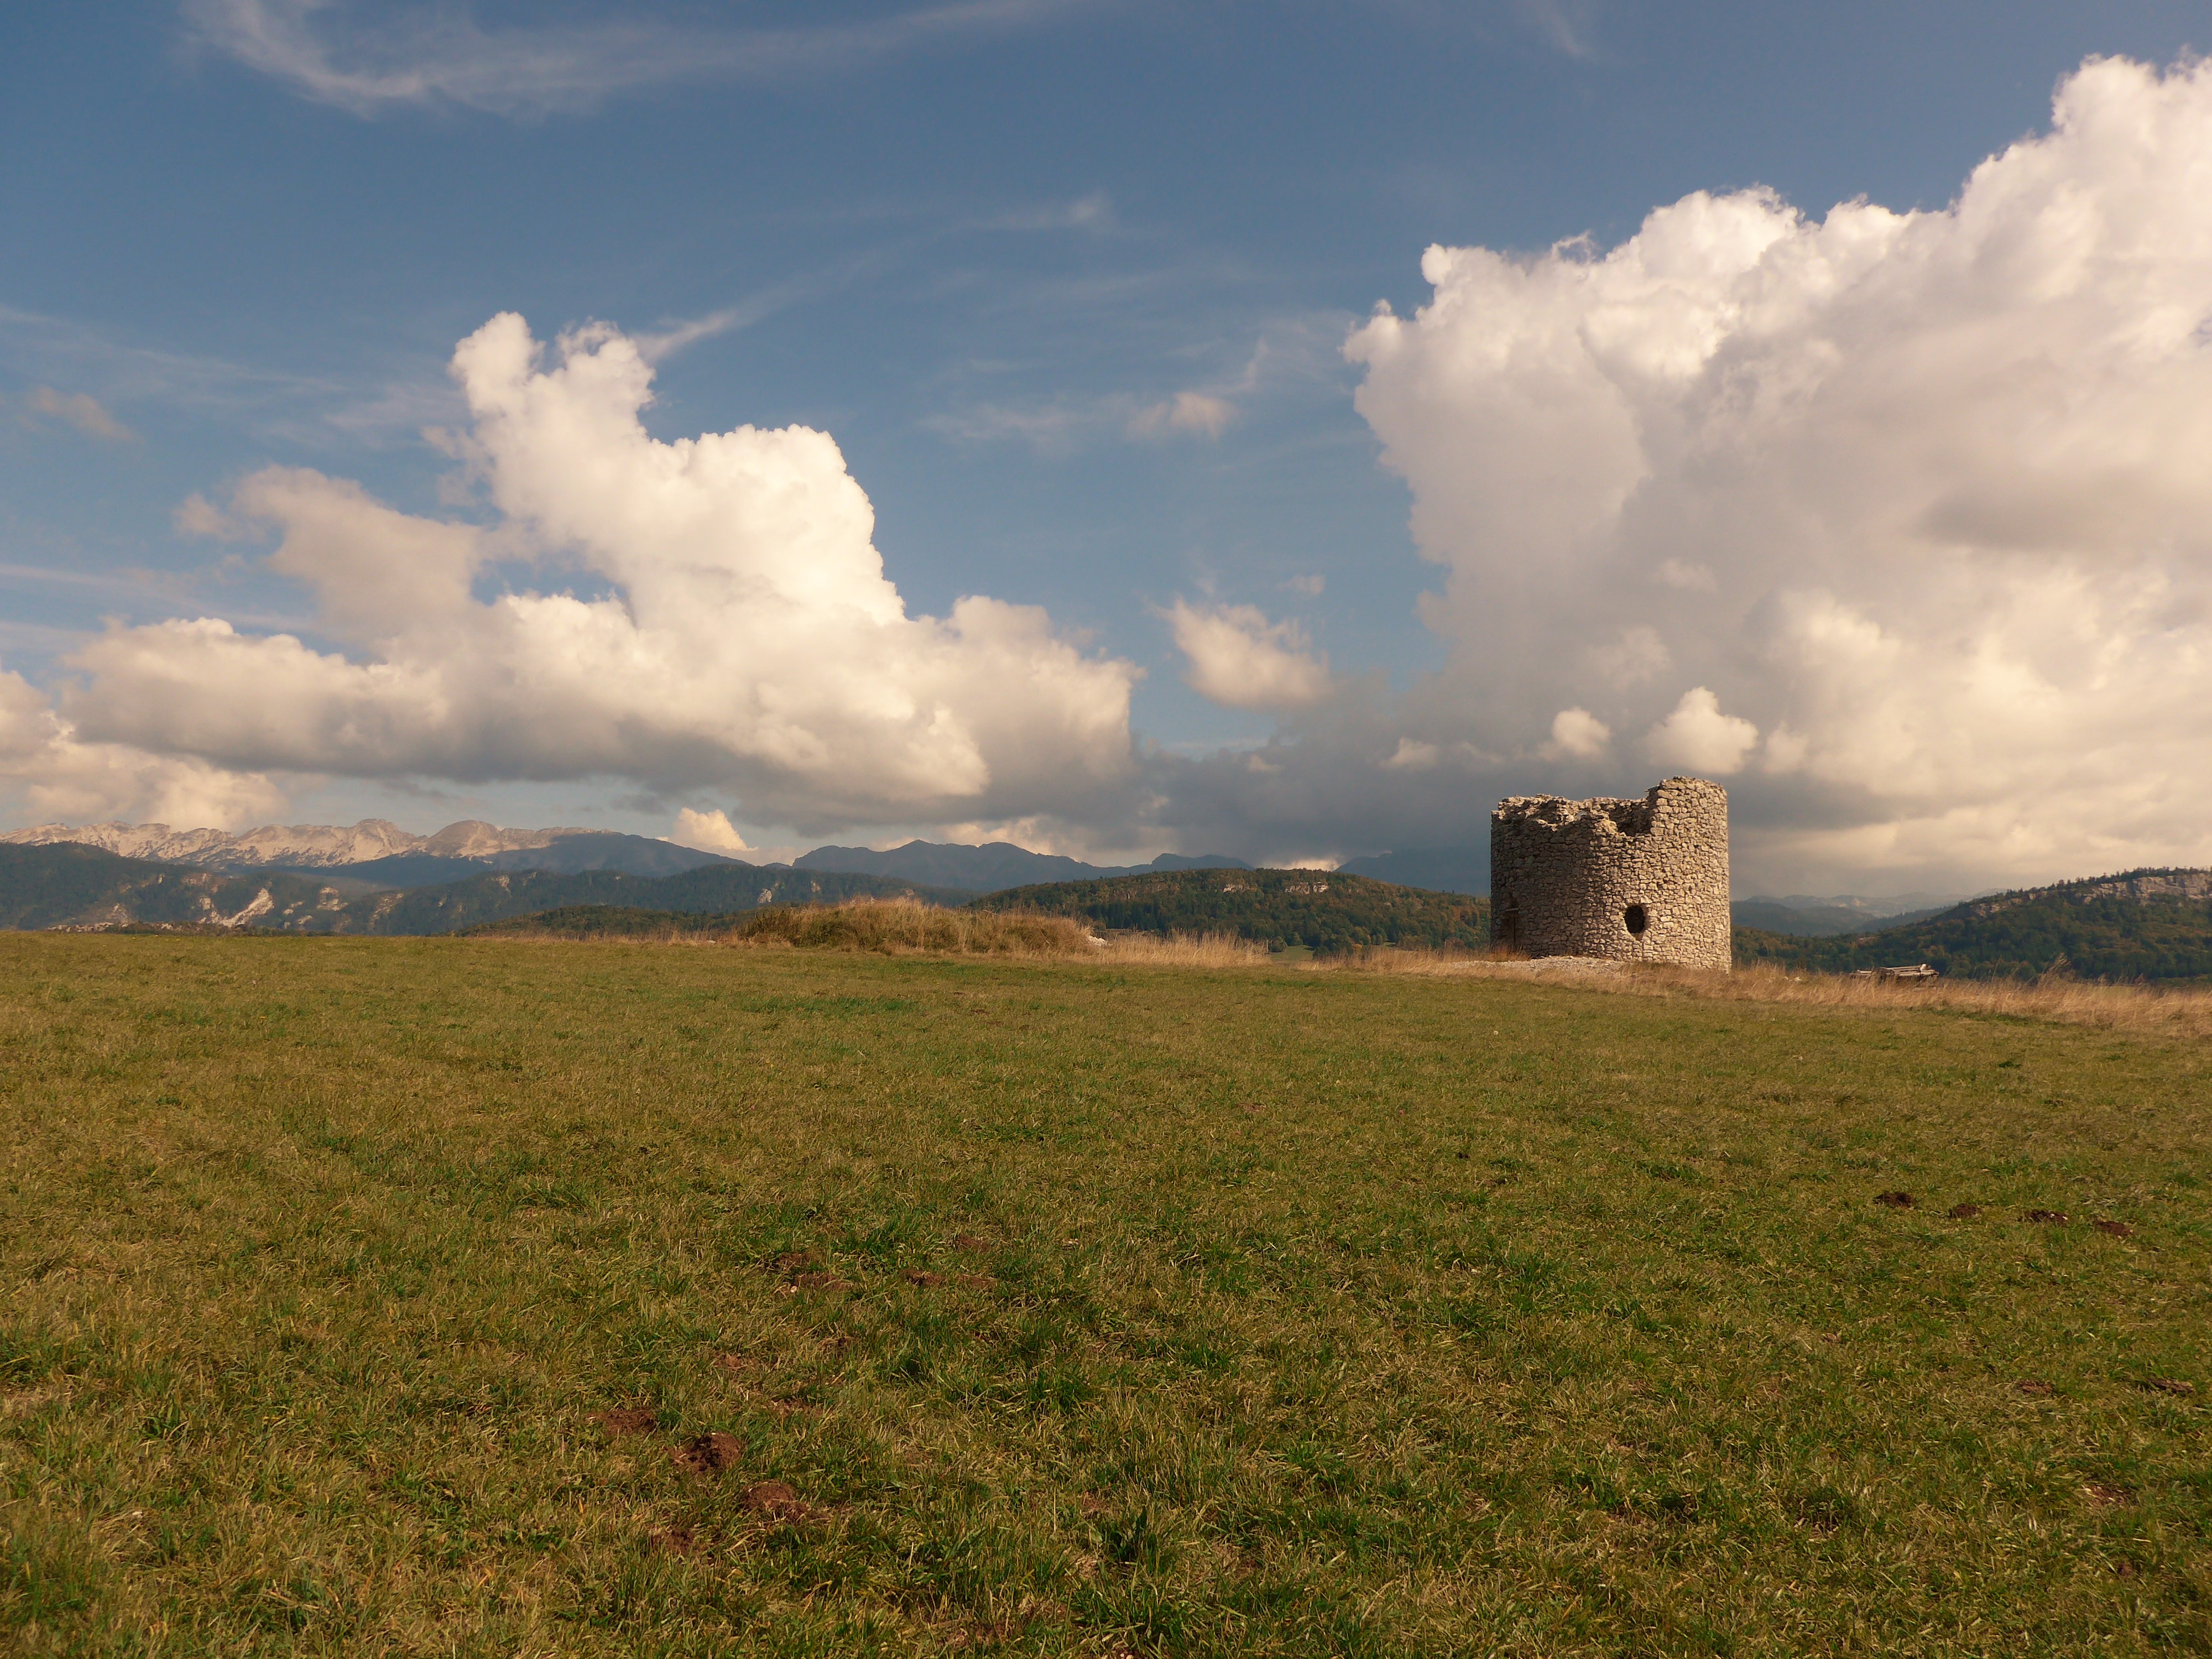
pixel 1241 660
pixel 60 778
pixel 1412 755
pixel 1578 733
pixel 1924 495
pixel 708 832
pixel 1699 738
pixel 195 515
pixel 743 635
pixel 1685 574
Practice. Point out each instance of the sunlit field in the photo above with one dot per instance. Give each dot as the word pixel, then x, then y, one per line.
pixel 500 1296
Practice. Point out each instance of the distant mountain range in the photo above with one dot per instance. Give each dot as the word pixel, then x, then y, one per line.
pixel 1871 909
pixel 1463 869
pixel 72 886
pixel 988 868
pixel 380 854
pixel 1824 918
pixel 383 854
pixel 376 850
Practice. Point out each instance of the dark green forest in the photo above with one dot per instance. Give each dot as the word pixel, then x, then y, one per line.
pixel 2018 937
pixel 1325 911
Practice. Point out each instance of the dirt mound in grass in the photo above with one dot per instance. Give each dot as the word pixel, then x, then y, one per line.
pixel 709 1454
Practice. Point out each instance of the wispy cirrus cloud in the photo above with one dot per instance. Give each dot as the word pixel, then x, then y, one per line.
pixel 311 411
pixel 1197 412
pixel 1568 26
pixel 442 55
pixel 80 409
pixel 1288 359
pixel 1093 213
pixel 37 346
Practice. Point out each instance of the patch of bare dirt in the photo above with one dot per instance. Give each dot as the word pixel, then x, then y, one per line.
pixel 1894 1201
pixel 2107 1495
pixel 625 1420
pixel 2167 1385
pixel 993 1635
pixel 976 1281
pixel 969 1242
pixel 709 1454
pixel 921 1276
pixel 1963 1211
pixel 2052 1218
pixel 2036 1386
pixel 1537 968
pixel 829 1283
pixel 2116 1229
pixel 776 1500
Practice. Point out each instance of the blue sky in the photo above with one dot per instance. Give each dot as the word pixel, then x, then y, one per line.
pixel 987 248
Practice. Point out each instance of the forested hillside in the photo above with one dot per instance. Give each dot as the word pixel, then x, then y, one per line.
pixel 2147 924
pixel 1324 910
pixel 70 885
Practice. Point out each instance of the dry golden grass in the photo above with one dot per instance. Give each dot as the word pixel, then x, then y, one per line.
pixel 2148 1011
pixel 890 927
pixel 905 926
pixel 897 926
pixel 1185 951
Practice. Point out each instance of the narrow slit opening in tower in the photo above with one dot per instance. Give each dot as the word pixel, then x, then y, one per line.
pixel 1635 919
pixel 1509 927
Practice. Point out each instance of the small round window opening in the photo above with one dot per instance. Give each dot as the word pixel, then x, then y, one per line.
pixel 1635 919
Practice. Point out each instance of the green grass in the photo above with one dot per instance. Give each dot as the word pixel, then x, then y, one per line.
pixel 1270 1312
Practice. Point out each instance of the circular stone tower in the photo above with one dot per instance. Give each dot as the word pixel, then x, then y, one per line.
pixel 1636 880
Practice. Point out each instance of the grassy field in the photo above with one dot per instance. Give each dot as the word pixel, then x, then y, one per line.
pixel 488 1297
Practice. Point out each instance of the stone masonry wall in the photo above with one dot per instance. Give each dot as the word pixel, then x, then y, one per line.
pixel 1635 880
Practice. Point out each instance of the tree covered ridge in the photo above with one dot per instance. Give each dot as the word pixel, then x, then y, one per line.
pixel 1324 910
pixel 2140 924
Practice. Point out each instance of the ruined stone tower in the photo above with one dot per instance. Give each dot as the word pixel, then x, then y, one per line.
pixel 1638 880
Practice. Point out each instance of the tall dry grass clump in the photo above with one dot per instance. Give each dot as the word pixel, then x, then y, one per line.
pixel 892 925
pixel 1184 950
pixel 2180 1012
